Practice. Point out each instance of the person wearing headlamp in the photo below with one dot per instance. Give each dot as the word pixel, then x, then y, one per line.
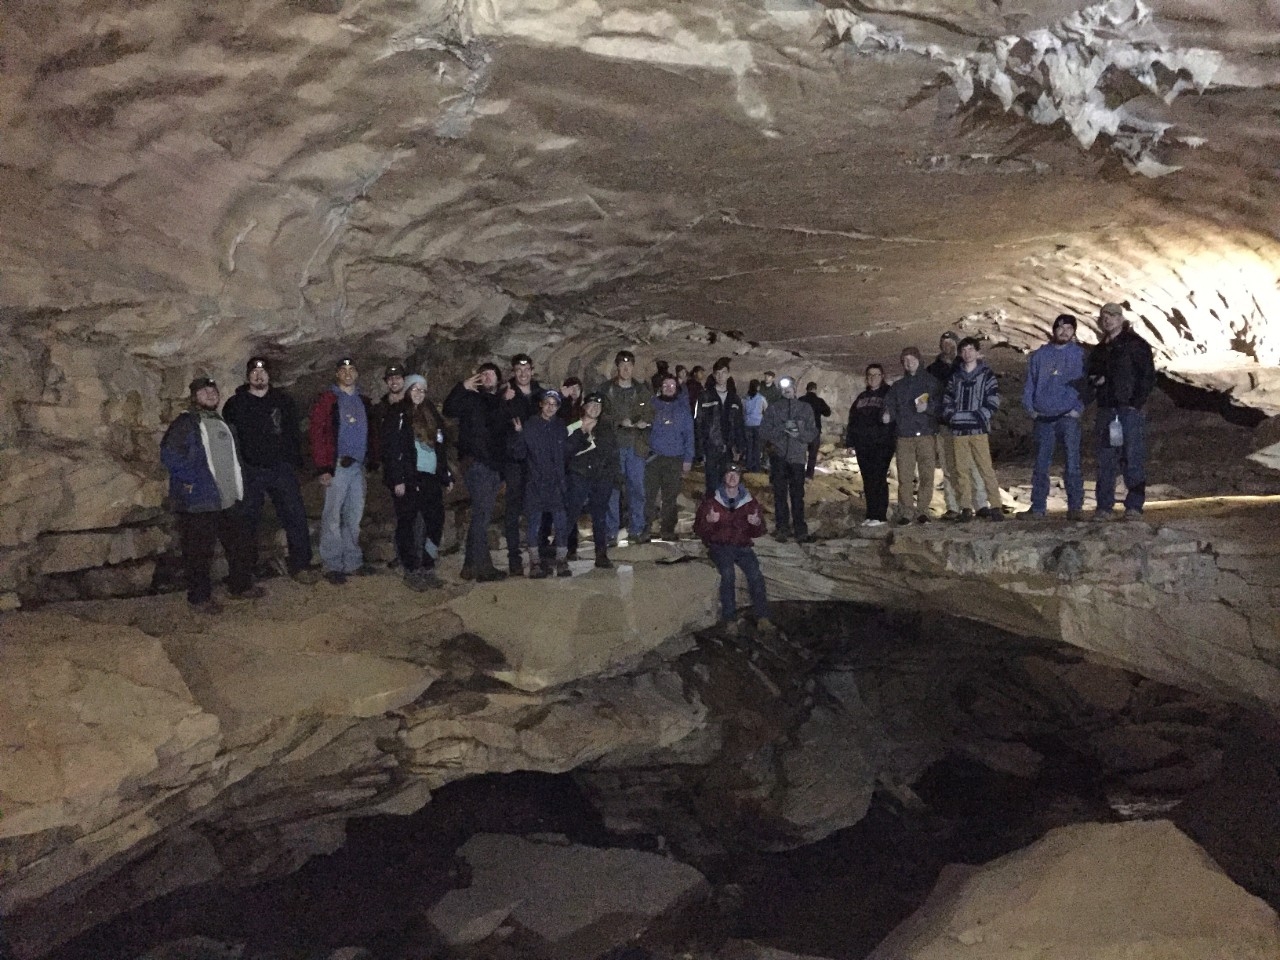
pixel 787 430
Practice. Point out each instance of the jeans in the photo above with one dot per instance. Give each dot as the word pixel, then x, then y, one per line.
pixel 787 480
pixel 632 465
pixel 725 557
pixel 280 483
pixel 483 483
pixel 197 533
pixel 423 496
pixel 753 449
pixel 662 478
pixel 593 494
pixel 539 503
pixel 340 521
pixel 1132 457
pixel 1046 434
pixel 873 462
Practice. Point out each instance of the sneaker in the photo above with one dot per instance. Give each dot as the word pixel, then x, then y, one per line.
pixel 254 592
pixel 966 515
pixel 924 518
pixel 903 521
pixel 491 575
pixel 336 577
pixel 1032 515
pixel 995 515
pixel 562 569
pixel 603 562
pixel 538 571
pixel 873 523
pixel 208 607
pixel 1132 515
pixel 365 570
pixel 416 580
pixel 515 568
pixel 1100 516
pixel 613 543
pixel 729 628
pixel 1075 515
pixel 950 516
pixel 571 555
pixel 468 573
pixel 782 535
pixel 644 537
pixel 306 577
pixel 984 513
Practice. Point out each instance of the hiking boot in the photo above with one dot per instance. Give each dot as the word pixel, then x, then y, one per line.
pixel 562 569
pixel 1101 516
pixel 254 592
pixel 951 516
pixel 984 513
pixel 782 534
pixel 208 607
pixel 490 575
pixel 602 561
pixel 539 571
pixel 902 521
pixel 416 580
pixel 336 577
pixel 306 577
pixel 966 515
pixel 924 518
pixel 995 515
pixel 1132 515
pixel 515 568
pixel 729 629
pixel 766 628
pixel 1032 515
pixel 644 537
pixel 1075 515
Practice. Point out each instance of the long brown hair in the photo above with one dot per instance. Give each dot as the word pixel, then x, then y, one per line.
pixel 426 421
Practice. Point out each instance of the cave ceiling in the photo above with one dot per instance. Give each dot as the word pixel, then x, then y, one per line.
pixel 195 180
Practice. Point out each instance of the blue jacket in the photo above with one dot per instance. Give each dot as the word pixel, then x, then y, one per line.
pixel 971 400
pixel 672 432
pixel 192 488
pixel 1055 376
pixel 542 445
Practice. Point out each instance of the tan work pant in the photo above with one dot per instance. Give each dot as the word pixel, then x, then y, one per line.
pixel 974 453
pixel 915 454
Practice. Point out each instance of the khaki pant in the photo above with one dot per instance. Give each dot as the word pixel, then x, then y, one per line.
pixel 974 453
pixel 915 454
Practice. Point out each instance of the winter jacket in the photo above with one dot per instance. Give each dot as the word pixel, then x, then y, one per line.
pixel 541 444
pixel 900 404
pixel 753 408
pixel 482 425
pixel 1122 371
pixel 788 428
pixel 399 445
pixel 323 432
pixel 819 407
pixel 185 454
pixel 732 525
pixel 627 403
pixel 771 393
pixel 523 407
pixel 693 389
pixel 971 399
pixel 592 455
pixel 266 427
pixel 866 427
pixel 1055 380
pixel 941 369
pixel 672 431
pixel 718 426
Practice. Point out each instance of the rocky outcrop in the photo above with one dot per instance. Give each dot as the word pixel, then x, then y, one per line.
pixel 1192 601
pixel 1142 891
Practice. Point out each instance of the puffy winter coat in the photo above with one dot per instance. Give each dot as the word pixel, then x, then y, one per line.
pixel 721 521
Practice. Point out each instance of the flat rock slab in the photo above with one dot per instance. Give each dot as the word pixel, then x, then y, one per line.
pixel 577 901
pixel 557 630
pixel 1126 891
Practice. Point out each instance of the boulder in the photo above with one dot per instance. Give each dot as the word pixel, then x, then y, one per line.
pixel 574 902
pixel 1128 891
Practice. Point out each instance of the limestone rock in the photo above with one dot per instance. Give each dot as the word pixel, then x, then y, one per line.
pixel 575 901
pixel 1138 891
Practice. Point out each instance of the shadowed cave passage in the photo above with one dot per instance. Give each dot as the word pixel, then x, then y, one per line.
pixel 1000 737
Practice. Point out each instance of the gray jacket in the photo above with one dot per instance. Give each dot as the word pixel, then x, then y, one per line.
pixel 900 404
pixel 789 428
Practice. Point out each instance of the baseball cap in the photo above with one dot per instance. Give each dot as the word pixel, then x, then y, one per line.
pixel 199 383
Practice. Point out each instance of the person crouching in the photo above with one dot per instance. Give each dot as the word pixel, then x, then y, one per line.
pixel 541 444
pixel 728 520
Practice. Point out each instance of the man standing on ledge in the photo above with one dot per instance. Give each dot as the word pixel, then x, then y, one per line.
pixel 627 416
pixel 1055 377
pixel 342 445
pixel 913 405
pixel 786 432
pixel 205 483
pixel 1122 373
pixel 265 421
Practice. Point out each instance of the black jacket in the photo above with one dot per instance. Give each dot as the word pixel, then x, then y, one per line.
pixel 820 409
pixel 399 445
pixel 940 370
pixel 482 425
pixel 718 427
pixel 865 427
pixel 1121 372
pixel 266 427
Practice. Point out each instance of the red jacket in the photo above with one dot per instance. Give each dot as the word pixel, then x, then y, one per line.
pixel 322 430
pixel 732 525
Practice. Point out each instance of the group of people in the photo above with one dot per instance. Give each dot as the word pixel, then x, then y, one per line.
pixel 626 447
pixel 941 415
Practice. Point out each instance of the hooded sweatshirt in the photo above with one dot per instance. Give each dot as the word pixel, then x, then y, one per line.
pixel 971 400
pixel 1055 377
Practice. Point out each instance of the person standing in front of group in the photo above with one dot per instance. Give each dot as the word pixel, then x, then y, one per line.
pixel 787 431
pixel 670 455
pixel 720 433
pixel 1052 395
pixel 416 471
pixel 1122 373
pixel 205 484
pixel 482 440
pixel 342 446
pixel 913 405
pixel 753 407
pixel 871 440
pixel 971 399
pixel 628 416
pixel 265 421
